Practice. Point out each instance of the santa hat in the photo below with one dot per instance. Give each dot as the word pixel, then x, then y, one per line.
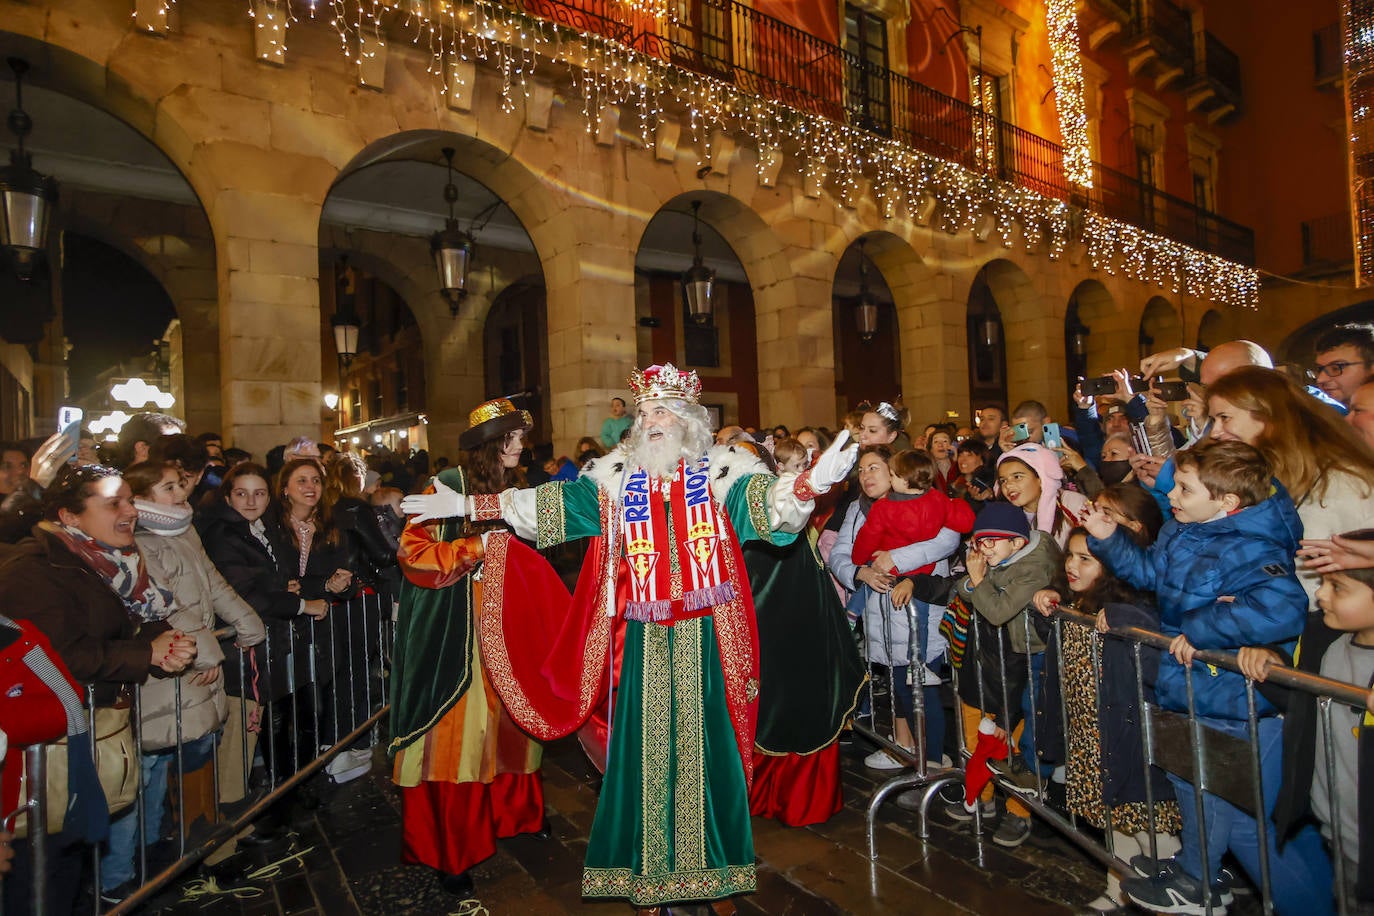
pixel 1045 463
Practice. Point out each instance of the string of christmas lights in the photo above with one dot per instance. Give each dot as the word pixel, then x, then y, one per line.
pixel 1062 22
pixel 932 190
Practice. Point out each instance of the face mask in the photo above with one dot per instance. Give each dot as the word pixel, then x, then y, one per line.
pixel 1113 471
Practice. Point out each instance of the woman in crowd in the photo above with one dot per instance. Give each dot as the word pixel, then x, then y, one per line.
pixel 358 664
pixel 82 581
pixel 1323 463
pixel 943 453
pixel 190 709
pixel 974 481
pixel 467 773
pixel 319 555
pixel 246 542
pixel 887 634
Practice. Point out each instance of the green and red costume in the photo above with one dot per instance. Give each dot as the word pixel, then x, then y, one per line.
pixel 662 628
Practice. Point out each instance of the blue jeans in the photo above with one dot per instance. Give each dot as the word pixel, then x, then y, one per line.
pixel 1299 878
pixel 1026 744
pixel 117 865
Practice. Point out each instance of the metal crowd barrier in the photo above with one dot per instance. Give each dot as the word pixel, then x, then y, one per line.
pixel 1174 742
pixel 343 696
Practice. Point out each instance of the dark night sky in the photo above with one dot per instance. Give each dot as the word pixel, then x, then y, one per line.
pixel 114 309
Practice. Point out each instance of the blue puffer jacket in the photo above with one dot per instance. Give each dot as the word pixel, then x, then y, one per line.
pixel 1247 556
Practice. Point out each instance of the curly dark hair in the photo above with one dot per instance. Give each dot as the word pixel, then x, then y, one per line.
pixel 485 473
pixel 71 490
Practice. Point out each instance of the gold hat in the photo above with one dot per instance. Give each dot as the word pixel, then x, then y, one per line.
pixel 665 381
pixel 492 420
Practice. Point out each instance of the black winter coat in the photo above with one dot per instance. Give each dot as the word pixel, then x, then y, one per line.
pixel 261 579
pixel 370 555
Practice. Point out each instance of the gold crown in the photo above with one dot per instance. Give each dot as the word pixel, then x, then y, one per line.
pixel 494 409
pixel 666 381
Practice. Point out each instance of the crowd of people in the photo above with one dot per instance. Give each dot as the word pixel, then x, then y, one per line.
pixel 231 596
pixel 738 587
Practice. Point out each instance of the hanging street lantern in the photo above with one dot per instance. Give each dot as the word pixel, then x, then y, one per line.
pixel 452 247
pixel 698 281
pixel 27 197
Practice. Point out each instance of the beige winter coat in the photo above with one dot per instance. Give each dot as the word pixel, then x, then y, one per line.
pixel 178 563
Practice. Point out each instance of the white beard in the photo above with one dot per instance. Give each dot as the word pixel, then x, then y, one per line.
pixel 659 456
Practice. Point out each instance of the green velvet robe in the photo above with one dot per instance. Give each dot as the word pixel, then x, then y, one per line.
pixel 672 823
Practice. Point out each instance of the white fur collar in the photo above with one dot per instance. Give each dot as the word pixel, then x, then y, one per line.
pixel 729 463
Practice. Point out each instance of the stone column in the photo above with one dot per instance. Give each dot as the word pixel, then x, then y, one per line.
pixel 269 315
pixel 591 312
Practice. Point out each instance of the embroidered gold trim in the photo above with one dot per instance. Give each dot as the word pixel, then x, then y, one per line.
pixel 736 644
pixel 486 507
pixel 756 497
pixel 550 515
pixel 649 890
pixel 496 658
pixel 656 709
pixel 689 775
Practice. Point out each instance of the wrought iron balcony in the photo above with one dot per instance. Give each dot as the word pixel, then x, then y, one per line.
pixel 767 57
pixel 1168 27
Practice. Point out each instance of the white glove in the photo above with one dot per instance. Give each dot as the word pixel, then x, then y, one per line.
pixel 834 464
pixel 444 502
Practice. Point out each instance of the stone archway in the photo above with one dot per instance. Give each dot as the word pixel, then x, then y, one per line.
pixel 1160 327
pixel 869 369
pixel 1008 322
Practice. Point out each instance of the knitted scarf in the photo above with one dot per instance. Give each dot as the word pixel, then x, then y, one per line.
pixel 122 569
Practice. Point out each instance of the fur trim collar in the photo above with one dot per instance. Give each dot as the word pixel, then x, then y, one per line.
pixel 729 463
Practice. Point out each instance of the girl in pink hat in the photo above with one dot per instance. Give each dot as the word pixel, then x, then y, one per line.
pixel 1029 477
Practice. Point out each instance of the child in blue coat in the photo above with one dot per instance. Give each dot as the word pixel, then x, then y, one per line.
pixel 1223 572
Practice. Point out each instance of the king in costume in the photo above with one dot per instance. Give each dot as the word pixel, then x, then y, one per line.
pixel 467 773
pixel 663 616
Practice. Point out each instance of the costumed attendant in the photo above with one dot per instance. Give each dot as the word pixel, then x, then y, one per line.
pixel 467 774
pixel 667 512
pixel 809 674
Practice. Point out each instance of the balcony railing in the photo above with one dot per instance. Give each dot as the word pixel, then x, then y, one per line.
pixel 1170 28
pixel 767 57
pixel 1221 67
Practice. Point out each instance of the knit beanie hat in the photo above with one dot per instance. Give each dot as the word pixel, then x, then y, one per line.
pixel 1001 520
pixel 1045 463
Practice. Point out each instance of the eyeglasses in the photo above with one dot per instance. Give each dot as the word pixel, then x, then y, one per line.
pixel 1334 369
pixel 985 543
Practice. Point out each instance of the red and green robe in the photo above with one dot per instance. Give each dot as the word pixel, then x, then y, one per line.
pixel 468 774
pixel 672 823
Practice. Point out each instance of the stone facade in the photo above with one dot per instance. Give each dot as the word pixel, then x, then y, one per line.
pixel 262 143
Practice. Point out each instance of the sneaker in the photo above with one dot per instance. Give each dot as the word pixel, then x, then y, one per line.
pixel 1172 891
pixel 882 760
pixel 956 811
pixel 115 895
pixel 1103 905
pixel 1012 832
pixel 1018 776
pixel 1223 885
pixel 349 765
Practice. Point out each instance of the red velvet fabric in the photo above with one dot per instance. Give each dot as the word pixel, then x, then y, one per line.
pixel 797 789
pixel 453 826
